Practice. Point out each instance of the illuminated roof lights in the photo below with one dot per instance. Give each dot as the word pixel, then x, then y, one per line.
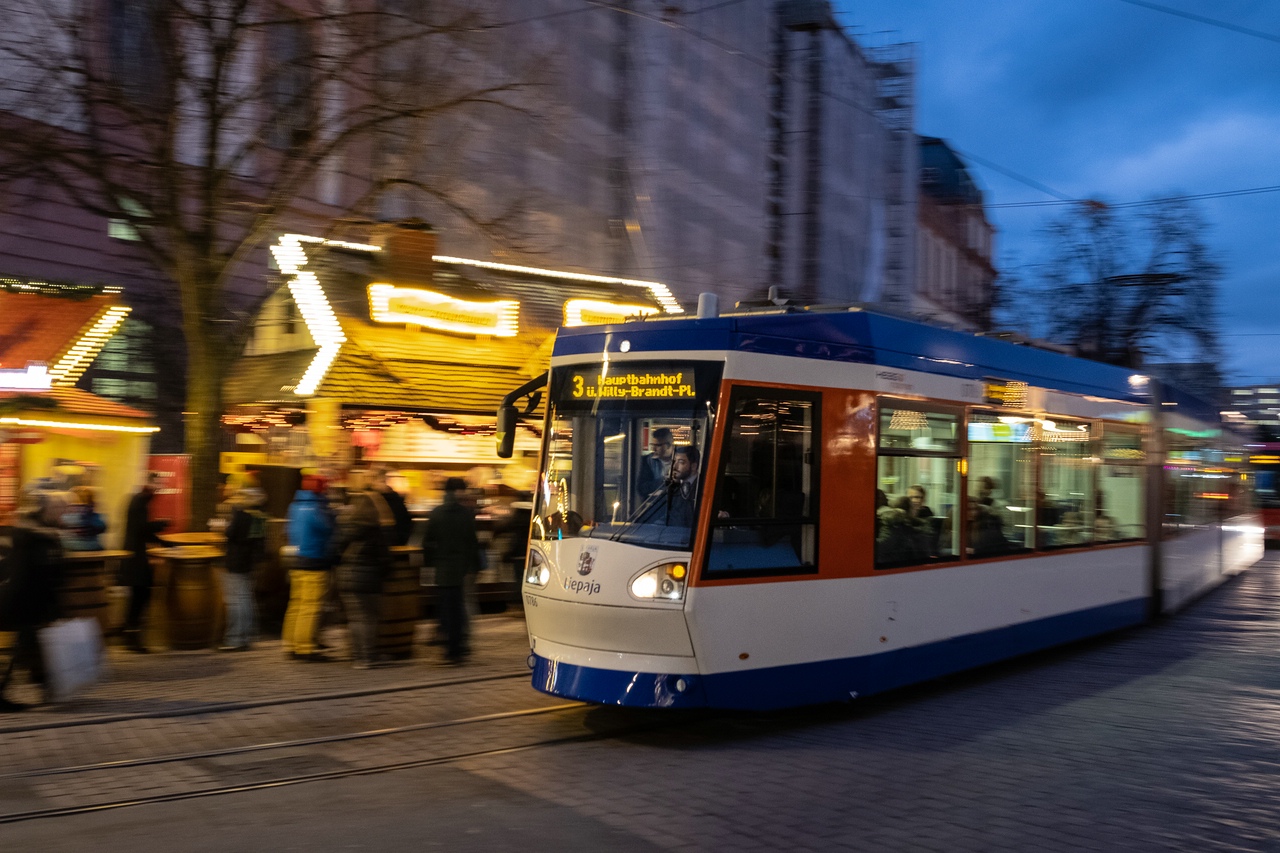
pixel 594 312
pixel 660 292
pixel 73 363
pixel 313 305
pixel 420 307
pixel 33 422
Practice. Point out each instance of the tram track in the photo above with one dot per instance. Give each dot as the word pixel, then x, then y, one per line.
pixel 252 704
pixel 288 744
pixel 194 782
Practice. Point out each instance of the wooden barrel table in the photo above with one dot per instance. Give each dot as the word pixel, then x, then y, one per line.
pixel 400 609
pixel 192 597
pixel 85 578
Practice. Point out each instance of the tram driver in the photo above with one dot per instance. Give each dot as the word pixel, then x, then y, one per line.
pixel 682 488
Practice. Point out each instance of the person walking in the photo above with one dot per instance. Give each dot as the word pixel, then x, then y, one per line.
pixel 364 538
pixel 310 528
pixel 135 570
pixel 451 545
pixel 246 540
pixel 35 570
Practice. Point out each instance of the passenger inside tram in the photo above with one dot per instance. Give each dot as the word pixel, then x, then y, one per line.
pixel 986 528
pixel 904 533
pixel 655 466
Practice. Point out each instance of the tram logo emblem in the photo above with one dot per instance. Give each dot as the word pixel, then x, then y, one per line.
pixel 586 561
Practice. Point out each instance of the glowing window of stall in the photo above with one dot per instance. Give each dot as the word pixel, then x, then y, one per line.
pixel 420 307
pixel 594 312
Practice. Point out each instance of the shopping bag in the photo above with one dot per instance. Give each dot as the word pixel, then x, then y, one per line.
pixel 72 650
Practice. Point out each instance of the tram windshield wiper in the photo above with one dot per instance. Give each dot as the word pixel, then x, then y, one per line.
pixel 644 513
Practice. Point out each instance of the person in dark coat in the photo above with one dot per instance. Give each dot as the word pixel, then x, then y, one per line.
pixel 451 545
pixel 35 570
pixel 363 540
pixel 135 570
pixel 246 543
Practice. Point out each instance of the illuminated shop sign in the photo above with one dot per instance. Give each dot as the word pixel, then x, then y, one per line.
pixel 420 307
pixel 619 383
pixel 594 312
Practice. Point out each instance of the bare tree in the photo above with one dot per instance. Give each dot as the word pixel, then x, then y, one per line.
pixel 206 125
pixel 1131 288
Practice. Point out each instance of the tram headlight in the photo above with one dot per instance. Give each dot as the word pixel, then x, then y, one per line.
pixel 662 583
pixel 536 571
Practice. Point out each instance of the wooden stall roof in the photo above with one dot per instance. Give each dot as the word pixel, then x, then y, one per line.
pixel 37 323
pixel 389 366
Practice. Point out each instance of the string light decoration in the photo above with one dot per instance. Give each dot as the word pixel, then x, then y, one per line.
pixel 70 365
pixel 1015 395
pixel 906 419
pixel 660 292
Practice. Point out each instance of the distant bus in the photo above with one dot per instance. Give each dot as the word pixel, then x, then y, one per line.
pixel 1265 461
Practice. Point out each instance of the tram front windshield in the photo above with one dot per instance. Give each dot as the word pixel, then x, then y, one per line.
pixel 626 451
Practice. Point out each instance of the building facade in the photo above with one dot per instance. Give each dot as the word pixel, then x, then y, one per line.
pixel 718 149
pixel 956 282
pixel 1258 407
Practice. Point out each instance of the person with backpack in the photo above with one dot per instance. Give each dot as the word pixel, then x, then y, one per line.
pixel 246 538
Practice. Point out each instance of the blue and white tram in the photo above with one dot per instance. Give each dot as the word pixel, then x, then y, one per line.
pixel 766 510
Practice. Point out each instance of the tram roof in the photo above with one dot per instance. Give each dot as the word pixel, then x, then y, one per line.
pixel 863 337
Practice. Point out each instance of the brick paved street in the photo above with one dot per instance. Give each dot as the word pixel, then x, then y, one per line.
pixel 1166 737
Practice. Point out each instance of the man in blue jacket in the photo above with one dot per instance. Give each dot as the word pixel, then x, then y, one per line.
pixel 310 530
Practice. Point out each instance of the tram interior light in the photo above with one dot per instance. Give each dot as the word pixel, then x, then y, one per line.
pixel 665 582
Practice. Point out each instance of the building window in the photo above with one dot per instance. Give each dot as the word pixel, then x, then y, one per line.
pixel 134 50
pixel 765 514
pixel 289 84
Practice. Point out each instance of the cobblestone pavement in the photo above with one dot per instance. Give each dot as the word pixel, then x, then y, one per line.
pixel 175 683
pixel 1165 737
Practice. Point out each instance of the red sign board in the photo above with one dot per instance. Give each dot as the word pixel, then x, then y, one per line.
pixel 173 491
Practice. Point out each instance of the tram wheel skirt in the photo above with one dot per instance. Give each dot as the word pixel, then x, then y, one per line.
pixel 828 680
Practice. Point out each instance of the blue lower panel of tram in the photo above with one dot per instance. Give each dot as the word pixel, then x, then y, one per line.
pixel 829 680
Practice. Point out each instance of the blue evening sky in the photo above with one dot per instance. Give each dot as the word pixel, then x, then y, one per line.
pixel 1116 100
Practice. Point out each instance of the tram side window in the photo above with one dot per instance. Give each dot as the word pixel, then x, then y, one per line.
pixel 765 514
pixel 1119 510
pixel 917 487
pixel 1001 484
pixel 1191 493
pixel 1065 501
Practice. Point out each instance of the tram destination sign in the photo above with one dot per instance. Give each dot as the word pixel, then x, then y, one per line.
pixel 624 383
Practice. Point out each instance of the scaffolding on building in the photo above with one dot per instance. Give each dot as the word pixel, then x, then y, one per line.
pixel 894 68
